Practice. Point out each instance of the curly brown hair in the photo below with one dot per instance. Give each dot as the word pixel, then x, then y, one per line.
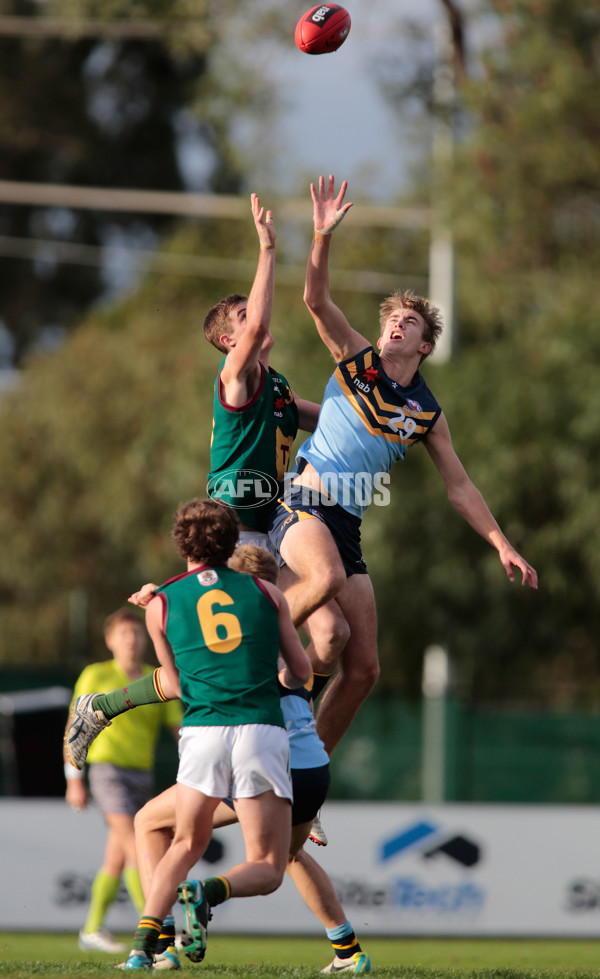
pixel 406 299
pixel 217 319
pixel 250 559
pixel 205 531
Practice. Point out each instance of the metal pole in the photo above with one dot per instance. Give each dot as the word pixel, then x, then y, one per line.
pixel 435 684
pixel 441 248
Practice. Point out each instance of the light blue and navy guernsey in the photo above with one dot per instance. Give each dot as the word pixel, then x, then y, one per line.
pixel 366 423
pixel 223 628
pixel 306 748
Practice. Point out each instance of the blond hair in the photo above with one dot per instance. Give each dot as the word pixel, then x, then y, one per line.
pixel 250 559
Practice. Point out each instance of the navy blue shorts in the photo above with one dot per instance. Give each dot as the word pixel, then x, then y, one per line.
pixel 344 527
pixel 310 787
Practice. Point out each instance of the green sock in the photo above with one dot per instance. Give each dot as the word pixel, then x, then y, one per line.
pixel 104 890
pixel 146 690
pixel 146 935
pixel 134 887
pixel 216 890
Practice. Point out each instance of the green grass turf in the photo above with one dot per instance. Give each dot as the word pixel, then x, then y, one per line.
pixel 30 954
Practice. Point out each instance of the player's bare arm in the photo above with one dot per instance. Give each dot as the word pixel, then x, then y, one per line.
pixel 308 414
pixel 162 647
pixel 468 501
pixel 329 209
pixel 241 372
pixel 298 670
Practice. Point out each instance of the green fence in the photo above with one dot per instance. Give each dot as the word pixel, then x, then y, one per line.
pixel 490 754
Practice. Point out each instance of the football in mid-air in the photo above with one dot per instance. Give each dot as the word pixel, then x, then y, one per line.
pixel 322 29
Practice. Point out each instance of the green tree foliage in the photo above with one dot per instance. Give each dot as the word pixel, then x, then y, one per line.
pixel 521 395
pixel 105 437
pixel 87 106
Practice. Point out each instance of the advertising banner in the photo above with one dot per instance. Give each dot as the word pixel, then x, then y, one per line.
pixel 470 870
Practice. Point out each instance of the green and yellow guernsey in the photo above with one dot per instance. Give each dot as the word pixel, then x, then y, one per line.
pixel 224 632
pixel 251 447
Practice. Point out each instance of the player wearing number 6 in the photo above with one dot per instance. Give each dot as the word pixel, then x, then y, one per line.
pixel 217 634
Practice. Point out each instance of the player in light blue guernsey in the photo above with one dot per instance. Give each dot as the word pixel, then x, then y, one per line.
pixel 376 406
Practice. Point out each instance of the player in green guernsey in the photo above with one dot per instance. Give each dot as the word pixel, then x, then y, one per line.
pixel 256 416
pixel 219 633
pixel 251 446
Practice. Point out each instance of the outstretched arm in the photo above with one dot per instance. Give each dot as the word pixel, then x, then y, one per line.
pixel 308 414
pixel 240 374
pixel 468 501
pixel 334 329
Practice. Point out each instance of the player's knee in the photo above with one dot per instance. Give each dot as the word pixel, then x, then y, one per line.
pixel 330 640
pixel 140 821
pixel 362 675
pixel 272 878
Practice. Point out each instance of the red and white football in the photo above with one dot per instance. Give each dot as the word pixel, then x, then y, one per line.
pixel 322 29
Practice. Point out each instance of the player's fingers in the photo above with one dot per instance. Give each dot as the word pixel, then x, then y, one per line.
pixel 269 218
pixel 321 187
pixel 331 188
pixel 342 193
pixel 313 194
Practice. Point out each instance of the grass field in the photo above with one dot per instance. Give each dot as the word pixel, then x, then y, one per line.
pixel 30 954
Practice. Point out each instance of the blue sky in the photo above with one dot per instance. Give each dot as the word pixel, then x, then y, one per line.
pixel 338 120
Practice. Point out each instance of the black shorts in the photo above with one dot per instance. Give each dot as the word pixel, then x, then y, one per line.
pixel 343 526
pixel 310 786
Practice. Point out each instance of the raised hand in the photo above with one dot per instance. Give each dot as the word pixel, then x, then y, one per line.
pixel 264 223
pixel 328 209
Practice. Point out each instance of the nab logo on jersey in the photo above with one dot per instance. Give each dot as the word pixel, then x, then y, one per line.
pixel 365 388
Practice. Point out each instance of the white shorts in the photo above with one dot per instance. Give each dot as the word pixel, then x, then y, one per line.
pixel 241 761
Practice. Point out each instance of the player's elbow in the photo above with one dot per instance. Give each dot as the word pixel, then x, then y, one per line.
pixel 303 673
pixel 316 303
pixel 296 676
pixel 459 497
pixel 257 327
